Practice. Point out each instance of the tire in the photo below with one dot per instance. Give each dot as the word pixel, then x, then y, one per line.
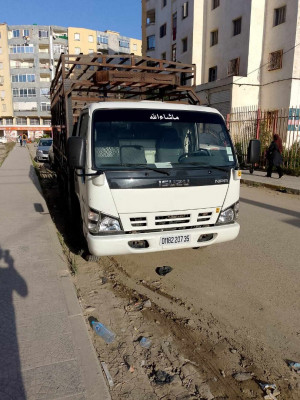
pixel 91 258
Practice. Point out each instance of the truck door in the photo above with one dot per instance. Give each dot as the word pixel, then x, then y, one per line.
pixel 80 181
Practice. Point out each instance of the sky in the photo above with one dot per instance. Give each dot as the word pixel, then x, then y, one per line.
pixel 123 16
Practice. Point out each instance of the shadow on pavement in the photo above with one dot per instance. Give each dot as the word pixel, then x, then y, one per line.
pixel 11 383
pixel 272 208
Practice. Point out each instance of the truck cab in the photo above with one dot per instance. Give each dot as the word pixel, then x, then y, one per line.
pixel 153 176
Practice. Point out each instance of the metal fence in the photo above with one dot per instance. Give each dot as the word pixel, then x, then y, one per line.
pixel 248 123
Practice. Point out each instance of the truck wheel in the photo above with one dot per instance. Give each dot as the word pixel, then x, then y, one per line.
pixel 91 258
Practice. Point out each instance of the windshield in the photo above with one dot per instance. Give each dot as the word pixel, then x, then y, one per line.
pixel 45 143
pixel 160 139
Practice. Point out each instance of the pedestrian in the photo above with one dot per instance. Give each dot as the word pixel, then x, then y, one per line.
pixel 274 156
pixel 20 139
pixel 24 140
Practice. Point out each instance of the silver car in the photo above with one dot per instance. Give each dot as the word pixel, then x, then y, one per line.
pixel 42 151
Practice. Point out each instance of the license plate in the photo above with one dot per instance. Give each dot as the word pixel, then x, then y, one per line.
pixel 174 240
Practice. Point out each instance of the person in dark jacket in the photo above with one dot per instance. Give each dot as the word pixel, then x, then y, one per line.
pixel 274 156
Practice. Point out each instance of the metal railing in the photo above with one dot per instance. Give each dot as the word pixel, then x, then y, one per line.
pixel 246 123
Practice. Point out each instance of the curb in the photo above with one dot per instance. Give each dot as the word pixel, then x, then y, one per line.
pixel 282 189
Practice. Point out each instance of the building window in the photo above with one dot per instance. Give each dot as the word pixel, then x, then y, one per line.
pixel 2 94
pixel 45 106
pixel 185 9
pixel 124 43
pixel 150 17
pixel 102 39
pixel 0 50
pixel 76 36
pixel 174 25
pixel 20 48
pixel 237 26
pixel 16 33
pixel 43 34
pixel 151 42
pixel 1 65
pixel 44 91
pixel 30 92
pixel 163 56
pixel 214 38
pixel 174 52
pixel 275 60
pixel 47 122
pixel 9 121
pixel 34 121
pixel 215 4
pixel 4 107
pixel 91 38
pixel 279 15
pixel 26 32
pixel 163 3
pixel 134 47
pixel 212 74
pixel 23 78
pixel 163 30
pixel 21 121
pixel 77 50
pixel 233 67
pixel 184 45
pixel 1 79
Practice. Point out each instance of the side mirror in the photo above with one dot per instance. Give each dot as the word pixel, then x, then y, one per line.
pixel 76 149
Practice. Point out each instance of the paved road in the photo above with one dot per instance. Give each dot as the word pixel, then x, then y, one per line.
pixel 250 285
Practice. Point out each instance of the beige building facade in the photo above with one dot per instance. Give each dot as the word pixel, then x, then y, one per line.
pixel 6 107
pixel 246 52
pixel 88 41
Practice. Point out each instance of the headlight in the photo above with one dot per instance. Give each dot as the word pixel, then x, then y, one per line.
pixel 109 224
pixel 229 215
pixel 98 223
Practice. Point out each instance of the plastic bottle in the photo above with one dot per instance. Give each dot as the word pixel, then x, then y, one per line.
pixel 103 331
pixel 145 342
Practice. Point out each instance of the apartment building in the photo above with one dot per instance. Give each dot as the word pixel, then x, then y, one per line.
pixel 246 52
pixel 28 57
pixel 32 53
pixel 87 41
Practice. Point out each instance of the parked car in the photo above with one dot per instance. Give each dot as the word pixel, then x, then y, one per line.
pixel 42 151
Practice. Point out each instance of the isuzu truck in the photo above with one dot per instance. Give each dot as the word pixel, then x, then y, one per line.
pixel 146 166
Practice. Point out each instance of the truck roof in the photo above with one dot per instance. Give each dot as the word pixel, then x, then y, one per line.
pixel 146 104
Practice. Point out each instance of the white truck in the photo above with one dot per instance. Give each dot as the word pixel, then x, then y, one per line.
pixel 147 167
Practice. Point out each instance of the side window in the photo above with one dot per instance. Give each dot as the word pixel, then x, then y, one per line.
pixel 84 121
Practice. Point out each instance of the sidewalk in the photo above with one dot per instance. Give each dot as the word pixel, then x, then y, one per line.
pixel 45 349
pixel 288 183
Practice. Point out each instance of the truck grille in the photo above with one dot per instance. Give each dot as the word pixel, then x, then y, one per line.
pixel 161 221
pixel 172 219
pixel 140 221
pixel 204 216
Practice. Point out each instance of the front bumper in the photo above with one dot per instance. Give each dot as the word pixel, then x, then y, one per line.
pixel 111 245
pixel 42 157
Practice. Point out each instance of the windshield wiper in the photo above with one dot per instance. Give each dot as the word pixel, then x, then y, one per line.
pixel 143 166
pixel 224 169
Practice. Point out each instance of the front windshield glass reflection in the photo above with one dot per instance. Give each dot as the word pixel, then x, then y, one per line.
pixel 160 139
